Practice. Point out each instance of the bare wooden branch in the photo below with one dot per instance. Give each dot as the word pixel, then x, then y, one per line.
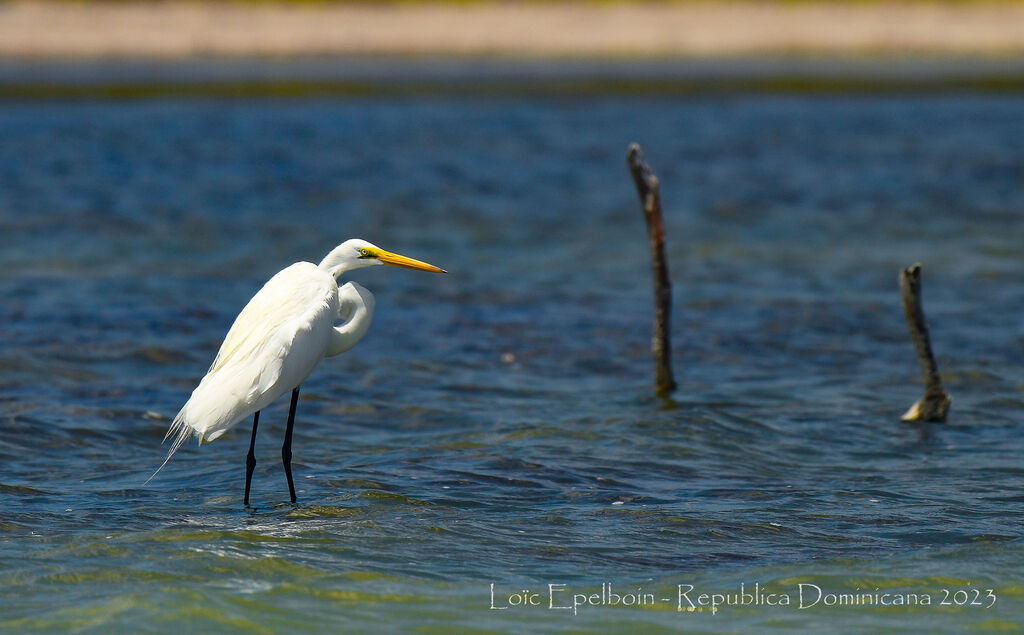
pixel 935 403
pixel 650 199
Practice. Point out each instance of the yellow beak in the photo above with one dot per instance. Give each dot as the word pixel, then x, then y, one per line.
pixel 396 260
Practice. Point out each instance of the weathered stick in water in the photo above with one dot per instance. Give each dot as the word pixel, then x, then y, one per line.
pixel 650 200
pixel 935 403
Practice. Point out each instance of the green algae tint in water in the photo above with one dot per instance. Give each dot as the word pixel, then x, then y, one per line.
pixel 496 425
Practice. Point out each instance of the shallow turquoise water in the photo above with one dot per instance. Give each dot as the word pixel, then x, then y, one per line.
pixel 496 425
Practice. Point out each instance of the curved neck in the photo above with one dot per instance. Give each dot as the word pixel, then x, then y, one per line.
pixel 340 260
pixel 355 309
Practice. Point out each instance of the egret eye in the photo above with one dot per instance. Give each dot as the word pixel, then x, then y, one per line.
pixel 365 253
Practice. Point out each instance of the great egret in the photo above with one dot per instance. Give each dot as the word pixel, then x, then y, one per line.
pixel 276 341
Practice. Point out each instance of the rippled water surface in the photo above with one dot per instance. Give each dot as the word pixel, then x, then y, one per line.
pixel 497 424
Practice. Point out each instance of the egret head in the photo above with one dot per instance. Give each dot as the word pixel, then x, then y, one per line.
pixel 357 253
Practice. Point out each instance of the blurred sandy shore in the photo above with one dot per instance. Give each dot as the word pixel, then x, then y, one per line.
pixel 699 29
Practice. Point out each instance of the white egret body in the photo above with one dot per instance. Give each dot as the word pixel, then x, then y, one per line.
pixel 278 338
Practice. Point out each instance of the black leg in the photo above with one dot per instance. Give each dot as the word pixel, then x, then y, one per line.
pixel 286 449
pixel 250 460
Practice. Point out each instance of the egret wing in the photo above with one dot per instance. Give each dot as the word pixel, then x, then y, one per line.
pixel 285 297
pixel 271 347
pixel 277 339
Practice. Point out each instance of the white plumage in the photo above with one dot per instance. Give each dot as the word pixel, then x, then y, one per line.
pixel 271 348
pixel 280 336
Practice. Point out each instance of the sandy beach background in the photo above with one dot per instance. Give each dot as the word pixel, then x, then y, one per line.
pixel 47 30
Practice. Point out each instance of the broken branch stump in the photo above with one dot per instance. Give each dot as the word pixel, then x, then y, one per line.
pixel 650 199
pixel 935 403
